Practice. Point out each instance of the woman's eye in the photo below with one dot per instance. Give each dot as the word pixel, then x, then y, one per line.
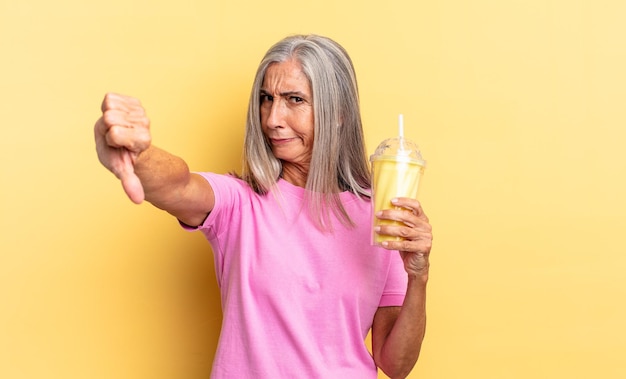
pixel 266 97
pixel 297 99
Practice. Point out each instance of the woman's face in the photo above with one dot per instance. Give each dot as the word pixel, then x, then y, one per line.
pixel 287 112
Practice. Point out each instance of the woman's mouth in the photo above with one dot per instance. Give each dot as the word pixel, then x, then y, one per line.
pixel 281 141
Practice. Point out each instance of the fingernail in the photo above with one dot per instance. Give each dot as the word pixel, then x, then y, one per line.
pixel 394 200
pixel 379 213
pixel 377 229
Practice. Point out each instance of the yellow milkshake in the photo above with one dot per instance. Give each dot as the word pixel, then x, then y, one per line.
pixel 397 168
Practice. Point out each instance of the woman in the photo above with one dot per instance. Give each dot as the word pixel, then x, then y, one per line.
pixel 300 284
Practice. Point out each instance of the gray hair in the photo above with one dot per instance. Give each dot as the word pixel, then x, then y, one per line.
pixel 338 162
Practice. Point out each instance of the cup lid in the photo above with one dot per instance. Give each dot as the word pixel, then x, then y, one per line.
pixel 398 148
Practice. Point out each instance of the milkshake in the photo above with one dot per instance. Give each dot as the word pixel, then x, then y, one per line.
pixel 397 167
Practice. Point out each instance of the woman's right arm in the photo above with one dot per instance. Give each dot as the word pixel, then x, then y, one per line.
pixel 124 147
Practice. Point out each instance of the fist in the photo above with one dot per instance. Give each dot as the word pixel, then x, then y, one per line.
pixel 122 134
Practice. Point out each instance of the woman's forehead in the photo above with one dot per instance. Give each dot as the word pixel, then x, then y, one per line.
pixel 285 76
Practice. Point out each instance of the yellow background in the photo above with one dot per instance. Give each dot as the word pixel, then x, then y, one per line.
pixel 518 106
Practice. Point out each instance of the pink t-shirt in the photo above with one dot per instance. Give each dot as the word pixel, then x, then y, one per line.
pixel 297 302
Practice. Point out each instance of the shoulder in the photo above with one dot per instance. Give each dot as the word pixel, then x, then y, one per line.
pixel 227 189
pixel 225 182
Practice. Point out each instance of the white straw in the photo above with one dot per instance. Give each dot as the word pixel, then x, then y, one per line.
pixel 401 125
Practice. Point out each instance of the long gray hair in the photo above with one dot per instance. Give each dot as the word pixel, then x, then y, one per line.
pixel 338 162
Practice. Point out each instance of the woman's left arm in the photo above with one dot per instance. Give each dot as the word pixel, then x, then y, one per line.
pixel 397 332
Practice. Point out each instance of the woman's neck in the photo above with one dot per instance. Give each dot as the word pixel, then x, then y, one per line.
pixel 295 174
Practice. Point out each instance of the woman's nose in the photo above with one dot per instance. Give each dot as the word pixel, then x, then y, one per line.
pixel 275 116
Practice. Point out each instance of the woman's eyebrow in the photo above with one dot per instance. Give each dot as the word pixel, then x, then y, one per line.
pixel 285 93
pixel 292 93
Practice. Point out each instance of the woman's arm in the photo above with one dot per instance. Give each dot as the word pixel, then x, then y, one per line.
pixel 398 332
pixel 124 146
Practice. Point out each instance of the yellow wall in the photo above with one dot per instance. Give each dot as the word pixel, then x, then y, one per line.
pixel 519 107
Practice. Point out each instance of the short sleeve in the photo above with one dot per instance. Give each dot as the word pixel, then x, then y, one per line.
pixel 397 280
pixel 226 189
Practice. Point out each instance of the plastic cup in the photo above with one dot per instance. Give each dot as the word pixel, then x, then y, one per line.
pixel 397 168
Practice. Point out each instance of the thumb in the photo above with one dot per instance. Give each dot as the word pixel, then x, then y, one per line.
pixel 130 181
pixel 132 187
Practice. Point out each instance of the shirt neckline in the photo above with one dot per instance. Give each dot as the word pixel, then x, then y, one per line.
pixel 300 192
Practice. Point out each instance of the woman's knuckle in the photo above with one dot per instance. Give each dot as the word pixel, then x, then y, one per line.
pixel 108 117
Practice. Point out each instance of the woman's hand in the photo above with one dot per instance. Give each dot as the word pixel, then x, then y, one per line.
pixel 416 232
pixel 122 133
